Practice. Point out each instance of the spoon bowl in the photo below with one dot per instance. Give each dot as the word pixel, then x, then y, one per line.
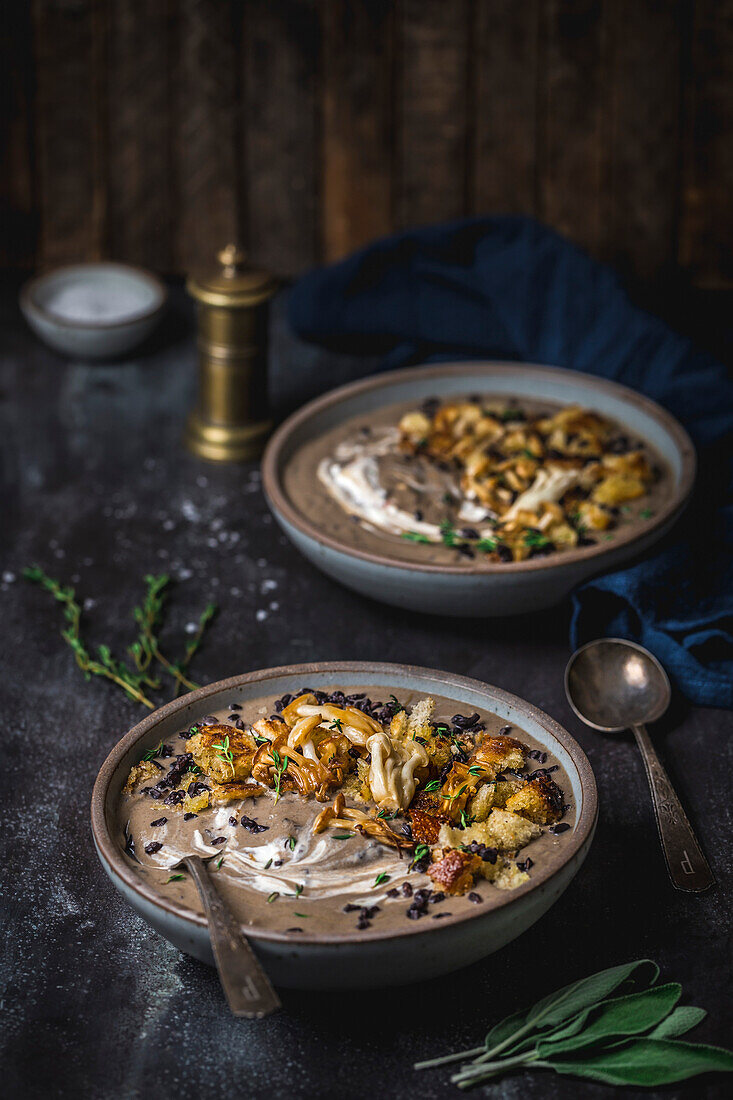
pixel 613 685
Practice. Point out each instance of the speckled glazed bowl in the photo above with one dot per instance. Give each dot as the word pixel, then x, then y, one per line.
pixel 477 588
pixel 93 310
pixel 367 958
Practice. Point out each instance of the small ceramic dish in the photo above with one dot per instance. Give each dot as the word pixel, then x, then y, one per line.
pixel 479 587
pixel 93 310
pixel 354 958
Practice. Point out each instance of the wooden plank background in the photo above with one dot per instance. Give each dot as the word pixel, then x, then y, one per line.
pixel 152 131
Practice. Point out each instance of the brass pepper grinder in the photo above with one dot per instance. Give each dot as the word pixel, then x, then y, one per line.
pixel 230 421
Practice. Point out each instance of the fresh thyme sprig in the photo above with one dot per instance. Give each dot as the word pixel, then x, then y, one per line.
pixel 600 1028
pixel 281 766
pixel 146 647
pixel 116 671
pixel 194 643
pixel 144 650
pixel 225 754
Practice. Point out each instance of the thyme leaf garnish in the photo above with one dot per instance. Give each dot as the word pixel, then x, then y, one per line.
pixel 225 754
pixel 414 536
pixel 395 705
pixel 448 533
pixel 382 877
pixel 152 753
pixel 433 785
pixel 281 766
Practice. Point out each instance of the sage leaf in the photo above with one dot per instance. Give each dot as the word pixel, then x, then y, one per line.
pixel 565 1002
pixel 678 1022
pixel 646 1062
pixel 629 1015
pixel 505 1029
pixel 561 1005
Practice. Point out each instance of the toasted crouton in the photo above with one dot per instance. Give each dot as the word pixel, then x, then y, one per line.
pixel 270 728
pixel 140 773
pixel 495 754
pixel 540 800
pixel 505 831
pixel 426 817
pixel 421 715
pixel 221 793
pixel 455 871
pixel 481 805
pixel 223 753
pixel 425 827
pixel 504 874
pixel 505 787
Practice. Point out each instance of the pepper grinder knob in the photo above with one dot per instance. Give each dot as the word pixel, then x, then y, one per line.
pixel 232 260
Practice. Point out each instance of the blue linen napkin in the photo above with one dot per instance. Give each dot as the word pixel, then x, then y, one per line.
pixel 509 288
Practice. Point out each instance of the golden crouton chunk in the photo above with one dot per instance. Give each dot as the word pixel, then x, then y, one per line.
pixel 426 827
pixel 426 817
pixel 540 801
pixel 504 874
pixel 221 793
pixel 271 728
pixel 617 488
pixel 495 754
pixel 455 872
pixel 504 789
pixel 503 830
pixel 482 803
pixel 141 773
pixel 223 753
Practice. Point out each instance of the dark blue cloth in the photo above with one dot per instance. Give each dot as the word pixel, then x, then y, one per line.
pixel 509 288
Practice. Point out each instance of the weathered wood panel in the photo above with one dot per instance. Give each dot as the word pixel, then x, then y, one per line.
pixel 357 122
pixel 706 239
pixel 154 130
pixel 281 126
pixel 432 58
pixel 506 37
pixel 572 138
pixel 140 169
pixel 205 129
pixel 17 182
pixel 69 38
pixel 644 136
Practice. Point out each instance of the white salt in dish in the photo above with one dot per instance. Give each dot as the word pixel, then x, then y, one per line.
pixel 93 310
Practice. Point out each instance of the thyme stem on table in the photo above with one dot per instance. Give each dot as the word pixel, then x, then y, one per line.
pixel 193 645
pixel 106 666
pixel 144 650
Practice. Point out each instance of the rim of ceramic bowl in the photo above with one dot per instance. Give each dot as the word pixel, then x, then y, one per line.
pixel 111 854
pixel 30 303
pixel 272 467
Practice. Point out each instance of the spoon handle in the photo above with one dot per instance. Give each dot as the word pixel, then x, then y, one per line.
pixel 246 986
pixel 686 864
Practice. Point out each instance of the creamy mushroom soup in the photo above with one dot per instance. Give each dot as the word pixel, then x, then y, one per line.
pixel 336 813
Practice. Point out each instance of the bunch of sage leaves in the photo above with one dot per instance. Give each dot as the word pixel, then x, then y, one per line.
pixel 601 1027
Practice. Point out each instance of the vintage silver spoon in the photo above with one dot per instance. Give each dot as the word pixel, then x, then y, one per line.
pixel 247 988
pixel 613 685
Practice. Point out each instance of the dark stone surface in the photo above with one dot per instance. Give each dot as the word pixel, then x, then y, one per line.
pixel 97 489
